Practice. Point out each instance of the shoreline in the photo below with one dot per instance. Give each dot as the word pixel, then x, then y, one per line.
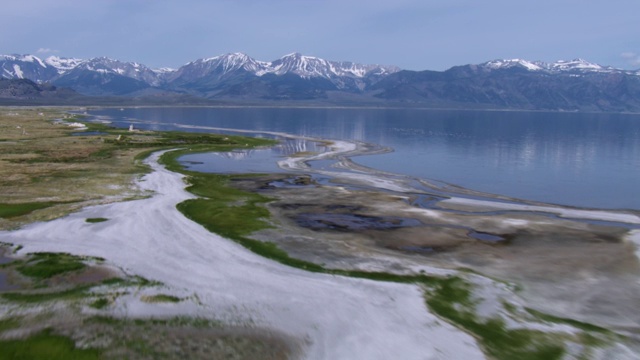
pixel 225 276
pixel 328 106
pixel 349 149
pixel 219 278
pixel 342 151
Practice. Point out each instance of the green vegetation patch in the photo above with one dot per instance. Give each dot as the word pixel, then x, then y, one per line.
pixel 76 293
pixel 450 298
pixel 79 292
pixel 47 265
pixel 100 154
pixel 9 323
pixel 575 323
pixel 14 210
pixel 160 298
pixel 227 219
pixel 100 303
pixel 45 345
pixel 96 220
pixel 234 214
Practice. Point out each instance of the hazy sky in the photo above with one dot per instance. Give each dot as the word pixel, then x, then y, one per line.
pixel 413 34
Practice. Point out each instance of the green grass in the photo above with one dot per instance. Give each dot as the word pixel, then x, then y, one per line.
pixel 143 282
pixel 160 298
pixel 93 126
pixel 100 303
pixel 32 298
pixel 47 265
pixel 575 323
pixel 450 298
pixel 101 154
pixel 9 323
pixel 13 210
pixel 234 214
pixel 96 220
pixel 179 321
pixel 45 346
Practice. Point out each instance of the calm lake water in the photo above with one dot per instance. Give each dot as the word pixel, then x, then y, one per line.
pixel 587 160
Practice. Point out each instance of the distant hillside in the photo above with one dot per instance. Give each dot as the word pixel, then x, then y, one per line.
pixel 514 88
pixel 24 89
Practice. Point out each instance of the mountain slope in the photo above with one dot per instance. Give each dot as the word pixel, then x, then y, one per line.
pixel 25 89
pixel 26 67
pixel 568 86
pixel 503 83
pixel 218 74
pixel 104 76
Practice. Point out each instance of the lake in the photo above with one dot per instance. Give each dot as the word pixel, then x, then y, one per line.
pixel 577 159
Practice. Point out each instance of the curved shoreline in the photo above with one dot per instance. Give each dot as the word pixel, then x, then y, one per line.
pixel 343 151
pixel 337 317
pixel 194 265
pixel 455 197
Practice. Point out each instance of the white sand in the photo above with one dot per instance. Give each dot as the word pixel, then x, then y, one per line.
pixel 340 318
pixel 561 212
pixel 634 237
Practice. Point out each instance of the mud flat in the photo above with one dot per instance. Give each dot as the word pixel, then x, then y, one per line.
pixel 580 263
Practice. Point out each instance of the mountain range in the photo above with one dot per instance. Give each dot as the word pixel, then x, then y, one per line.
pixel 575 85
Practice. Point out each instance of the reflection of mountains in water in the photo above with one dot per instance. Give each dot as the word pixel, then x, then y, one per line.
pixel 284 148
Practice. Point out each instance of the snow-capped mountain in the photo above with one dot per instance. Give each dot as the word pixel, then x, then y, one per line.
pixel 571 66
pixel 104 76
pixel 62 64
pixel 232 65
pixel 104 65
pixel 213 70
pixel 310 66
pixel 506 83
pixel 517 84
pixel 343 74
pixel 26 67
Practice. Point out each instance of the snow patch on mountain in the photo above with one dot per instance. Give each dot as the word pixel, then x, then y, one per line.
pixel 104 65
pixel 509 63
pixel 570 66
pixel 163 70
pixel 579 64
pixel 63 64
pixel 311 66
pixel 18 72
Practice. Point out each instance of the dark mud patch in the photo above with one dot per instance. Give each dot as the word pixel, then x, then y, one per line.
pixel 258 182
pixel 415 249
pixel 5 284
pixel 352 222
pixel 193 343
pixel 293 182
pixel 5 259
pixel 487 237
pixel 89 275
pixel 290 206
pixel 6 273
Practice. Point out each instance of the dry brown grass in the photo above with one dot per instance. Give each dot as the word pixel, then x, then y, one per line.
pixel 41 161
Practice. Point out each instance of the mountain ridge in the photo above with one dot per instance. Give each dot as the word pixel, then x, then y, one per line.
pixel 571 85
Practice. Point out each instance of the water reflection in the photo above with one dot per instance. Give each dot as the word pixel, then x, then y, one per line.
pixel 590 160
pixel 249 161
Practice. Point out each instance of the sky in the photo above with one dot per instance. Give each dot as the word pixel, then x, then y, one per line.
pixel 411 34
